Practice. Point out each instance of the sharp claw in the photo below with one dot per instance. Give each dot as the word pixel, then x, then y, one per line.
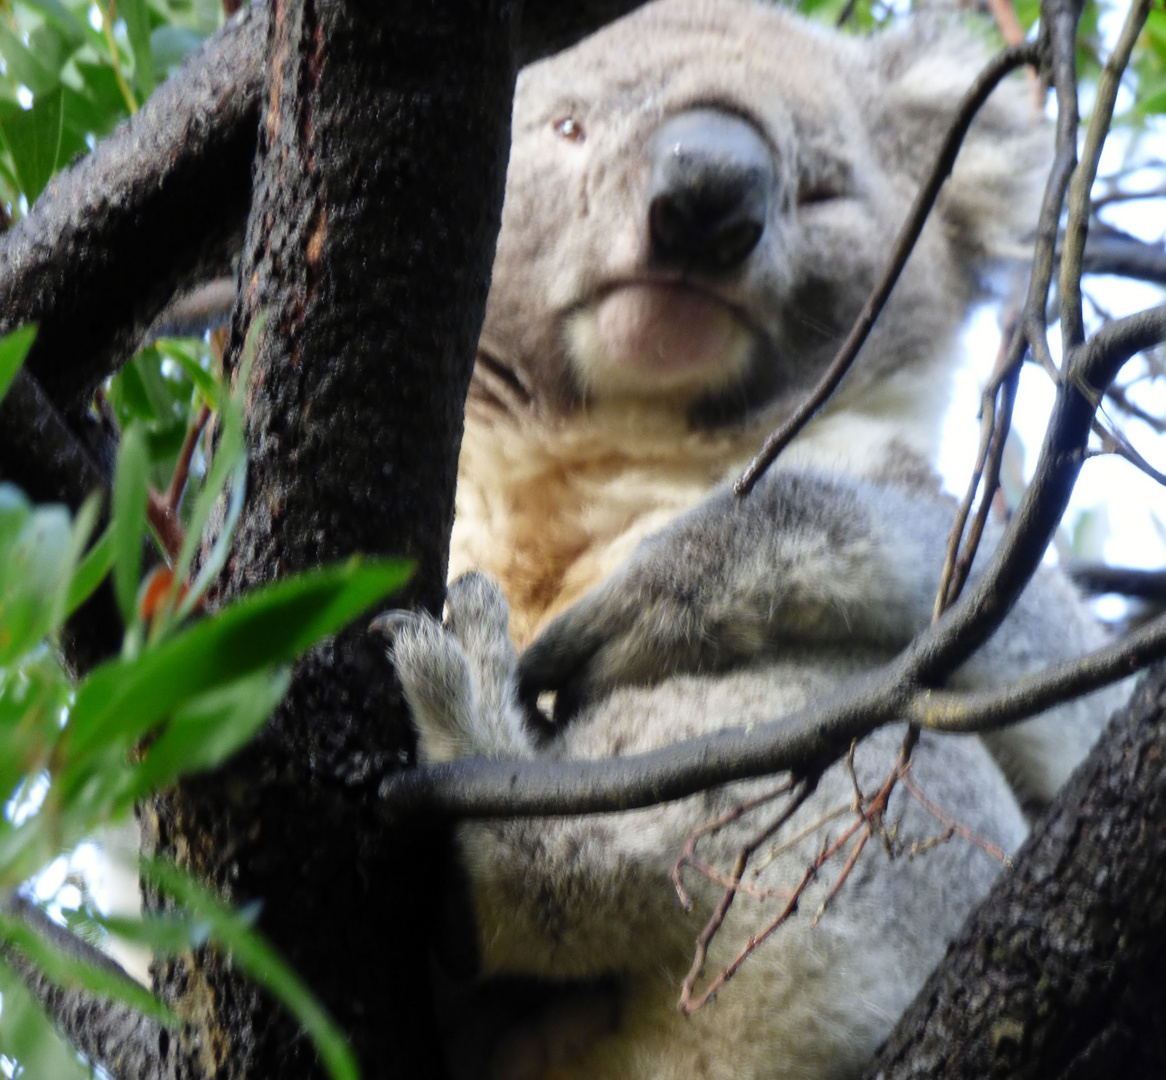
pixel 391 623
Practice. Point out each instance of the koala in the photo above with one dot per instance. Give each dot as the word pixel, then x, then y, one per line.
pixel 699 200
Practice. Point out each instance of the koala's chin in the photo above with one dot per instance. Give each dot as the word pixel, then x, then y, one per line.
pixel 658 340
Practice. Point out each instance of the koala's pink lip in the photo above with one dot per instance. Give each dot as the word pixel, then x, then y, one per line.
pixel 669 329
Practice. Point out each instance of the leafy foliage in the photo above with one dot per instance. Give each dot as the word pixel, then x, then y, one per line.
pixel 180 698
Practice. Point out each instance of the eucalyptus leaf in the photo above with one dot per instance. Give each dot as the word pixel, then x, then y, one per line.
pixel 72 971
pixel 124 698
pixel 137 16
pixel 33 138
pixel 14 347
pixel 28 1037
pixel 35 545
pixel 129 520
pixel 206 730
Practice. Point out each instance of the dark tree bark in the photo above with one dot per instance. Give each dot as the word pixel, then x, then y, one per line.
pixel 1058 974
pixel 368 252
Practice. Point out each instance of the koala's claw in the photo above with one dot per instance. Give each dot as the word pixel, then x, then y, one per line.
pixel 391 623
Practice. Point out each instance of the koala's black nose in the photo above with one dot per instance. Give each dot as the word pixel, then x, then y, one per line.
pixel 709 191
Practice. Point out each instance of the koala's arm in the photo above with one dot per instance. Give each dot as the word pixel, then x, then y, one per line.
pixel 813 560
pixel 804 559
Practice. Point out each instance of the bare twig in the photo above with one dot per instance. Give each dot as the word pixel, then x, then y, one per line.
pixel 1081 186
pixel 734 813
pixel 1010 59
pixel 1111 251
pixel 1098 578
pixel 108 12
pixel 994 428
pixel 688 1003
pixel 163 510
pixel 951 824
pixel 1119 396
pixel 1121 195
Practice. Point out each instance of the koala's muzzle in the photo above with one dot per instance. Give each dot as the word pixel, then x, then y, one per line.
pixel 708 195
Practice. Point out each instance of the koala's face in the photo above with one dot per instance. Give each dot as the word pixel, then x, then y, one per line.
pixel 699 200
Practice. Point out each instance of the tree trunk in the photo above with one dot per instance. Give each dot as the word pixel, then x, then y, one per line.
pixel 365 270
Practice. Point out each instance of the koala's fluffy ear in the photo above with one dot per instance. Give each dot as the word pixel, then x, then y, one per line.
pixel 924 69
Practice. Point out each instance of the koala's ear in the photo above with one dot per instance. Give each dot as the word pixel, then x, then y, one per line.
pixel 923 69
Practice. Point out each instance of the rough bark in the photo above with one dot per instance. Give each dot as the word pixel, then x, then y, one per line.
pixel 1058 975
pixel 368 252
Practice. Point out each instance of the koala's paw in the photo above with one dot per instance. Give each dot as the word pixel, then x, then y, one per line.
pixel 624 633
pixel 435 674
pixel 458 677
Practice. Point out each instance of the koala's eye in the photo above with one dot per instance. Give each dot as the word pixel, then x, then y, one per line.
pixel 570 129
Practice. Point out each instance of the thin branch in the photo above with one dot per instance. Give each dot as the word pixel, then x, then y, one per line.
pixel 986 710
pixel 1121 195
pixel 1114 441
pixel 1081 186
pixel 108 10
pixel 688 1003
pixel 128 1045
pixel 1010 59
pixel 958 828
pixel 1119 397
pixel 1110 251
pixel 1098 579
pixel 994 427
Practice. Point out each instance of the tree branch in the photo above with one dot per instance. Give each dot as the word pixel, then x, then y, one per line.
pixel 1111 251
pixel 111 1034
pixel 159 203
pixel 1049 977
pixel 1100 578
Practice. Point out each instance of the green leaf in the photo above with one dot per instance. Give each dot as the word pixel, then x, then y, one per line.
pixel 137 17
pixel 24 66
pixel 33 138
pixel 171 45
pixel 35 552
pixel 71 28
pixel 204 382
pixel 129 520
pixel 90 573
pixel 163 935
pixel 102 91
pixel 123 699
pixel 207 730
pixel 14 348
pixel 263 964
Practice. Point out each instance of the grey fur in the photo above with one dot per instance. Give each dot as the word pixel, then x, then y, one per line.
pixel 727 613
